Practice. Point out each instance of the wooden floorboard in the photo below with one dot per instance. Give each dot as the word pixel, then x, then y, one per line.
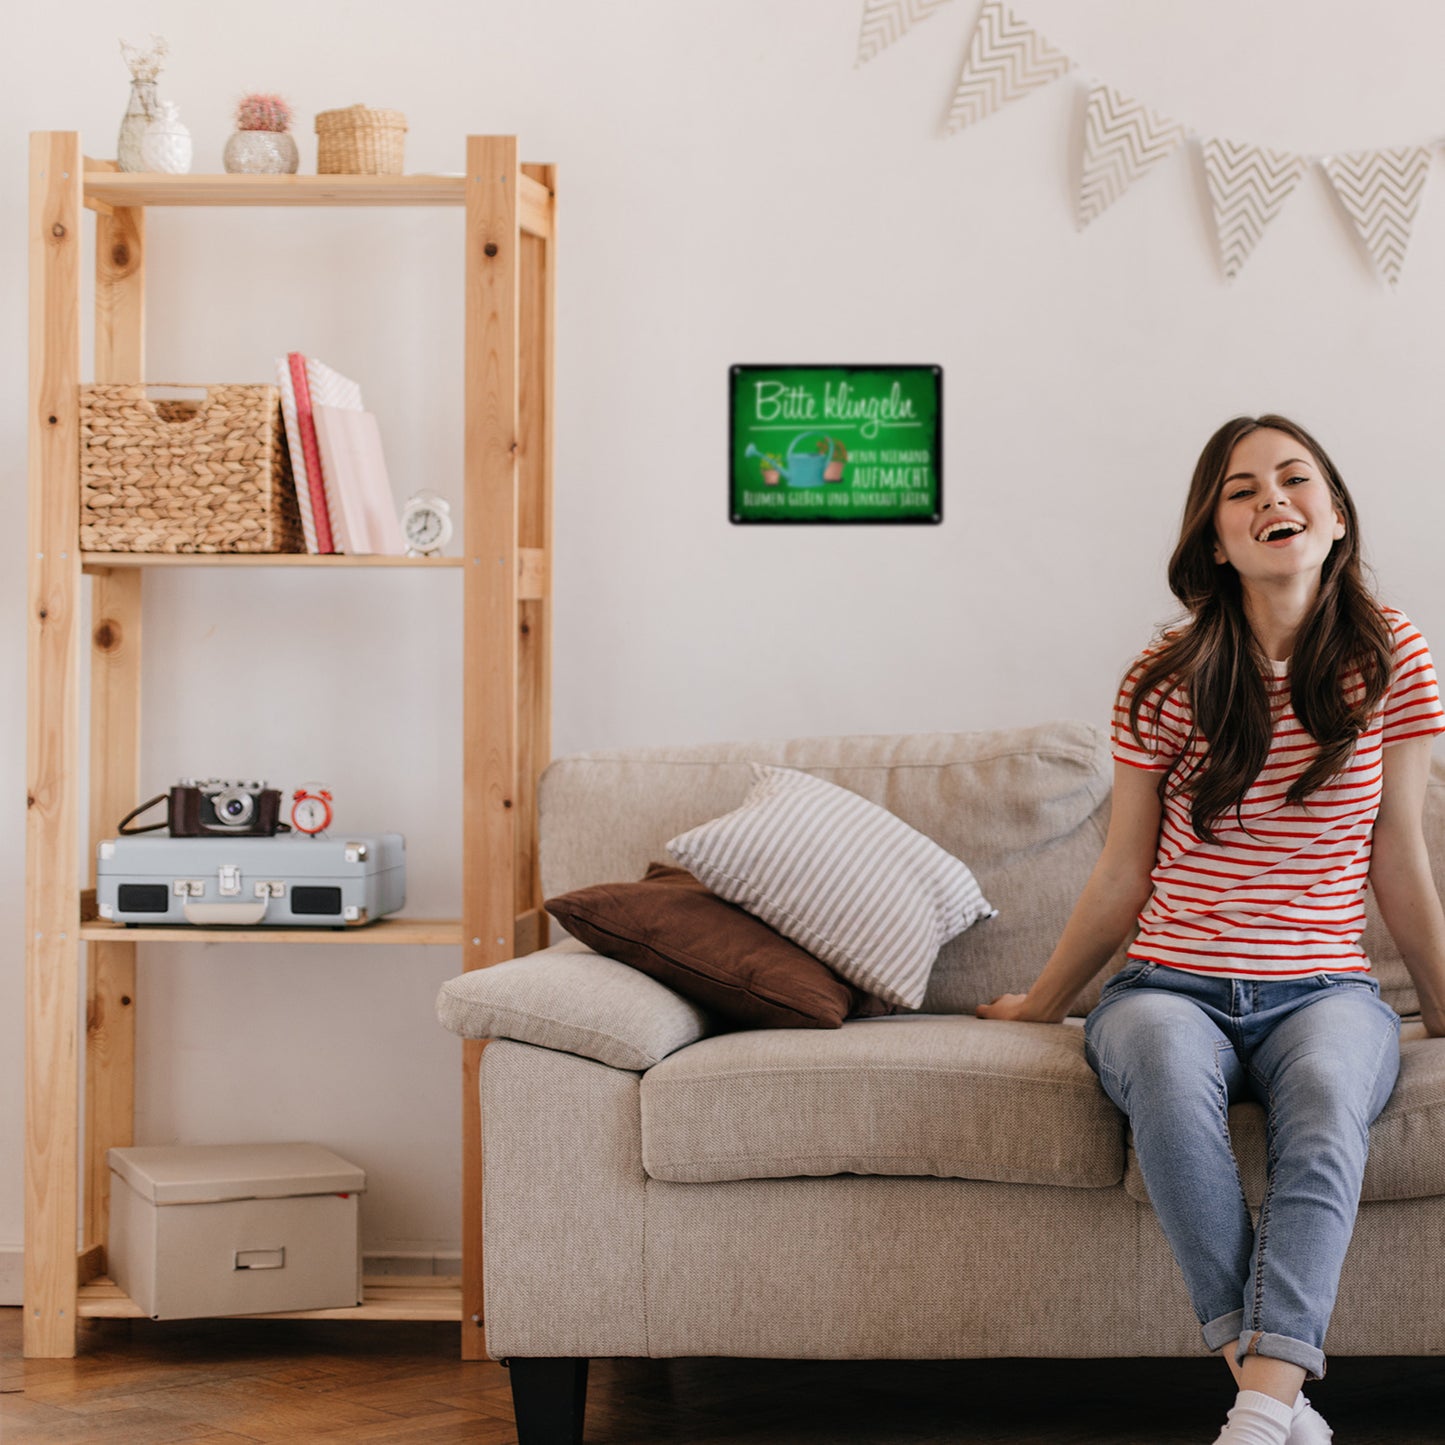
pixel 213 1381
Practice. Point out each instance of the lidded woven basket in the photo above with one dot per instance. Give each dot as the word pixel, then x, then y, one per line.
pixel 359 142
pixel 186 476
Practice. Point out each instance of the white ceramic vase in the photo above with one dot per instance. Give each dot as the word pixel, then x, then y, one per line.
pixel 166 146
pixel 261 152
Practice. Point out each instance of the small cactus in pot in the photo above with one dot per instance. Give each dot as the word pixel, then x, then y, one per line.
pixel 263 143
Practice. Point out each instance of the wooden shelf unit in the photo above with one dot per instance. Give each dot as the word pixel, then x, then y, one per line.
pixel 509 288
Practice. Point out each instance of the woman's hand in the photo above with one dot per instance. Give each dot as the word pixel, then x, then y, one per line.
pixel 1117 889
pixel 1011 1006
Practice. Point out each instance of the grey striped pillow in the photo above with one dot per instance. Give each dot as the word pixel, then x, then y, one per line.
pixel 840 876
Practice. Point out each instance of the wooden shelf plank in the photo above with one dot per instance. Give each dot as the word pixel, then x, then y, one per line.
pixel 104 188
pixel 386 1297
pixel 99 561
pixel 146 188
pixel 532 565
pixel 385 930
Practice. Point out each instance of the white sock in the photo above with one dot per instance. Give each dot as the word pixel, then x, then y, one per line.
pixel 1307 1425
pixel 1257 1419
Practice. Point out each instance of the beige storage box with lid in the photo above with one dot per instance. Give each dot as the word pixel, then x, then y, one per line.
pixel 235 1229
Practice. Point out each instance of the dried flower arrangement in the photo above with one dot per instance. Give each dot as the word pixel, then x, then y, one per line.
pixel 144 64
pixel 262 111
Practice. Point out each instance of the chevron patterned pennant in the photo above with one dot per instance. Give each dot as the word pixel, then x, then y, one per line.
pixel 1007 58
pixel 1381 190
pixel 885 21
pixel 1248 186
pixel 1122 140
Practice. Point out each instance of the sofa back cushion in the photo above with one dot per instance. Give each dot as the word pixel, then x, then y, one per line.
pixel 1025 808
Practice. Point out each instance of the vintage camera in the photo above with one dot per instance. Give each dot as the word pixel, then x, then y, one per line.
pixel 215 806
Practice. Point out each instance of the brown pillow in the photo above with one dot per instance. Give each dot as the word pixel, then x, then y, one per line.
pixel 670 927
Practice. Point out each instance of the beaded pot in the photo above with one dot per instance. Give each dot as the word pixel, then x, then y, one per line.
pixel 262 152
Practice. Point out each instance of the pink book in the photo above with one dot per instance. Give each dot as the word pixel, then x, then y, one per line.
pixel 363 510
pixel 306 425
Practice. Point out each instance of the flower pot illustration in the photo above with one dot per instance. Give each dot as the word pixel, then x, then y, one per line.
pixel 801 469
pixel 769 465
pixel 833 472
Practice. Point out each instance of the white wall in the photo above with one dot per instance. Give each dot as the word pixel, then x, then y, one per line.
pixel 733 189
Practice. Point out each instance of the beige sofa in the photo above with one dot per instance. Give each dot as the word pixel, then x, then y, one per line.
pixel 919 1186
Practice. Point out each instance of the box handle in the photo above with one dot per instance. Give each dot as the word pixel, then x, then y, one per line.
pixel 260 1259
pixel 151 404
pixel 239 913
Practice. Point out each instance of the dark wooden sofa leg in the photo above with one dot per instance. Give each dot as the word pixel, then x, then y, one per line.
pixel 549 1397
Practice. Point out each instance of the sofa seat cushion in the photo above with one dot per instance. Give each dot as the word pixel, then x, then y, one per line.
pixel 1407 1141
pixel 952 1097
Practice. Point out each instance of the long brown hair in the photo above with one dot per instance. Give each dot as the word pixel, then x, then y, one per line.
pixel 1219 663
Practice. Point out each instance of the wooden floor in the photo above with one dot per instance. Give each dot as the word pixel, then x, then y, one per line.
pixel 137 1382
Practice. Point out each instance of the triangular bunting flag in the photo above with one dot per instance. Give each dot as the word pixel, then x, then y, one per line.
pixel 1122 140
pixel 1381 190
pixel 885 21
pixel 1007 58
pixel 1248 186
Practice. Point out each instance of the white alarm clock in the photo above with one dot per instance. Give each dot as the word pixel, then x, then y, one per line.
pixel 426 524
pixel 311 809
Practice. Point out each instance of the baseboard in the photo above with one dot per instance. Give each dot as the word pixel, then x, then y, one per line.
pixel 12 1268
pixel 12 1274
pixel 410 1263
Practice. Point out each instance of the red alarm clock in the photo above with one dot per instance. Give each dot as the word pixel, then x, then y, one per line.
pixel 311 809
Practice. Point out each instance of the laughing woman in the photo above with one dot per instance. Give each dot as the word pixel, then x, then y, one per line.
pixel 1271 758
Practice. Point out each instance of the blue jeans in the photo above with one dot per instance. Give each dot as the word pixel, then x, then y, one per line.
pixel 1173 1050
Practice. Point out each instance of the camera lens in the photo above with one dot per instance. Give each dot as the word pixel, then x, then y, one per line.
pixel 234 807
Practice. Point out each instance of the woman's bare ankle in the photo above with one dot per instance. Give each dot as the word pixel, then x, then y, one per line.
pixel 1226 1353
pixel 1269 1376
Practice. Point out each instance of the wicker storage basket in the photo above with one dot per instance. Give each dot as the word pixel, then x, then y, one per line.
pixel 359 142
pixel 186 476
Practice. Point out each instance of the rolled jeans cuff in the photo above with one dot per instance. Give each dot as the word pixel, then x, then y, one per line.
pixel 1282 1347
pixel 1223 1331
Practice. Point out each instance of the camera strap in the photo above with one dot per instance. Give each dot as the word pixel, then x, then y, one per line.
pixel 145 807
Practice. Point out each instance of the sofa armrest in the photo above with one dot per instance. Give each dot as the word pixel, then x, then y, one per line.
pixel 575 1001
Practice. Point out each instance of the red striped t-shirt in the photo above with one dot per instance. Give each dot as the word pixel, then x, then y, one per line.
pixel 1286 898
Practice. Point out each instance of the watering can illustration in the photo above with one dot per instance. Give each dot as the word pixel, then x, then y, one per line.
pixel 801 469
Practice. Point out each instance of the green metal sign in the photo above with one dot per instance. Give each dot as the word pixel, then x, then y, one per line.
pixel 839 444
